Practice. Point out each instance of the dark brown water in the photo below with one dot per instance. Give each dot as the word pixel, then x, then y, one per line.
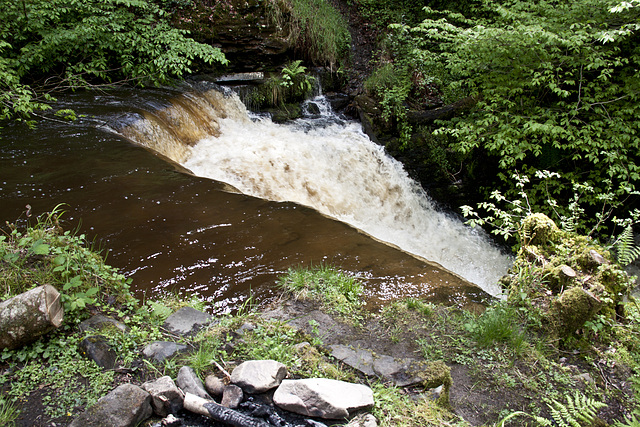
pixel 174 232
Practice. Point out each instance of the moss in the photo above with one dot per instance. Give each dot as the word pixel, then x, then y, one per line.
pixel 436 374
pixel 573 308
pixel 538 229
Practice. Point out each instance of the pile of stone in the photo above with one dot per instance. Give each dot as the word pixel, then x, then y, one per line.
pixel 255 394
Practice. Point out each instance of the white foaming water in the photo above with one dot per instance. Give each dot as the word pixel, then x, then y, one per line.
pixel 333 167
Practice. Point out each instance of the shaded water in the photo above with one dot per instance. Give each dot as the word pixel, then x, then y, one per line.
pixel 171 231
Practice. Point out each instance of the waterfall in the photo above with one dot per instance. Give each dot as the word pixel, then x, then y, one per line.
pixel 323 162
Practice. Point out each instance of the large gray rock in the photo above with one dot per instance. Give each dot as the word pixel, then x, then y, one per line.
pixel 189 382
pixel 162 350
pixel 126 406
pixel 258 376
pixel 321 397
pixel 166 398
pixel 186 321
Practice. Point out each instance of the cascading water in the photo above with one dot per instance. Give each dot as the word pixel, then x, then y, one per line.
pixel 323 162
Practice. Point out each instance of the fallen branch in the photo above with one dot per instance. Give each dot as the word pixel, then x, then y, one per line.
pixel 216 412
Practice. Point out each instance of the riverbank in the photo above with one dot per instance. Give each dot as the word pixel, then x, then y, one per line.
pixel 427 364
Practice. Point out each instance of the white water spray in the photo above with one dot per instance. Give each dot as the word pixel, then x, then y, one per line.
pixel 333 167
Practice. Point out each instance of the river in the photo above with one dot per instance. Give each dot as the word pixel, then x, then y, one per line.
pixel 191 194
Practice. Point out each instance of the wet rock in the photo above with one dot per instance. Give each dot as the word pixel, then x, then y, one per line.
pixel 97 348
pixel 166 398
pixel 162 350
pixel 187 321
pixel 258 376
pixel 189 382
pixel 323 398
pixel 126 406
pixel 100 322
pixel 214 385
pixel 232 396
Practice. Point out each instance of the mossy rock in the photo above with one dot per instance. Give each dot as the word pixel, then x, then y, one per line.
pixel 433 375
pixel 572 309
pixel 538 229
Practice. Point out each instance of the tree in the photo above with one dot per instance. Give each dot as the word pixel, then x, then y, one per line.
pixel 556 87
pixel 49 45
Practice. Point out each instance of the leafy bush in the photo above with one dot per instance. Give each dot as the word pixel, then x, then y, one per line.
pixel 554 86
pixel 49 45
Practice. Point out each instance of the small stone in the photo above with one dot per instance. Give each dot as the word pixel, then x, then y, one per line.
pixel 214 385
pixel 171 421
pixel 186 321
pixel 100 322
pixel 596 257
pixel 166 398
pixel 232 396
pixel 366 420
pixel 98 349
pixel 162 350
pixel 189 382
pixel 568 272
pixel 258 376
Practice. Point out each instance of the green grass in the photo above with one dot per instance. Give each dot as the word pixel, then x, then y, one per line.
pixel 8 413
pixel 319 31
pixel 339 292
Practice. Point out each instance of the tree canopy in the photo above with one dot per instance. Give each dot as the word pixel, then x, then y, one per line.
pixel 49 45
pixel 555 86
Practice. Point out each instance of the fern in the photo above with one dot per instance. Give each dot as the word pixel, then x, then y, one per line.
pixel 633 421
pixel 579 411
pixel 625 247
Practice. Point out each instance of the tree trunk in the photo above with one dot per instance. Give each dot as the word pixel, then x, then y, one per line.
pixel 26 317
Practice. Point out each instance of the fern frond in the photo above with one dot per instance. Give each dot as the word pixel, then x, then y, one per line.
pixel 579 410
pixel 625 247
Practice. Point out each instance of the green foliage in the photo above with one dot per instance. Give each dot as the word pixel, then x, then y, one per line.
pixel 44 253
pixel 625 247
pixel 554 86
pixel 498 324
pixel 320 33
pixel 340 293
pixel 577 412
pixel 48 45
pixel 82 380
pixel 8 413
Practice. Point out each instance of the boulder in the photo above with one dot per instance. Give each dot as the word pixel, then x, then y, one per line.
pixel 258 376
pixel 189 382
pixel 187 321
pixel 162 350
pixel 166 398
pixel 323 398
pixel 126 406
